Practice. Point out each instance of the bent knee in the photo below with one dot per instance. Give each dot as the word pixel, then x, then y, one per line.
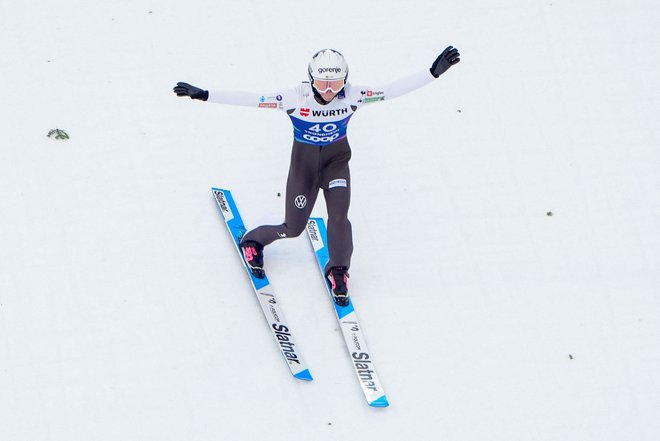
pixel 295 230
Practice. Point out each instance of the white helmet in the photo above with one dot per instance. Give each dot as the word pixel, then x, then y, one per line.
pixel 327 64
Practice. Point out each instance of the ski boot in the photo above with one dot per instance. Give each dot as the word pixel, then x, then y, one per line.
pixel 338 277
pixel 253 253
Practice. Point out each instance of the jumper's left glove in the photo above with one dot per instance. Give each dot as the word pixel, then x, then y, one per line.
pixel 185 89
pixel 447 59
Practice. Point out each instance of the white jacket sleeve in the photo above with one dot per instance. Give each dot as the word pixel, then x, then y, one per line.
pixel 283 100
pixel 361 95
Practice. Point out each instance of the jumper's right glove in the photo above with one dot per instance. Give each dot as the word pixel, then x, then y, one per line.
pixel 185 89
pixel 445 60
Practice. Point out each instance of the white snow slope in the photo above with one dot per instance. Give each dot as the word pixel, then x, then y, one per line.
pixel 125 313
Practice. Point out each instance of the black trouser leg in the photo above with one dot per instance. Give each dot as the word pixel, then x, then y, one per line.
pixel 302 189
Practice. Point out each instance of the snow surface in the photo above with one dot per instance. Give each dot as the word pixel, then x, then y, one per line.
pixel 126 315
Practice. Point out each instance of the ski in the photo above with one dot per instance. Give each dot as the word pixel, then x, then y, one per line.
pixel 348 322
pixel 262 288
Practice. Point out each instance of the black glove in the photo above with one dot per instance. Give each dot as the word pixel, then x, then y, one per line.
pixel 447 59
pixel 185 89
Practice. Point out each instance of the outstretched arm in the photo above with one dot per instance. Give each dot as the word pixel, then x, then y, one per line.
pixel 277 100
pixel 362 95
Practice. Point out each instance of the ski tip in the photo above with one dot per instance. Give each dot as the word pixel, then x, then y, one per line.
pixel 218 189
pixel 304 375
pixel 381 402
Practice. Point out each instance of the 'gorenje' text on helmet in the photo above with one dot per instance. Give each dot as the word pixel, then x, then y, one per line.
pixel 327 64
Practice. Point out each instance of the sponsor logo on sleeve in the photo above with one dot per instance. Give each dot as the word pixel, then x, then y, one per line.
pixel 373 95
pixel 270 102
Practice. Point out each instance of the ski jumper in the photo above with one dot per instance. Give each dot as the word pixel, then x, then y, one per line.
pixel 320 155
